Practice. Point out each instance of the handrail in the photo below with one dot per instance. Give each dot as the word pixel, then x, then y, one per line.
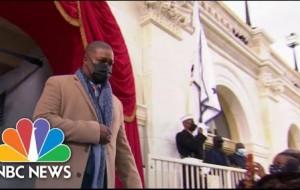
pixel 167 172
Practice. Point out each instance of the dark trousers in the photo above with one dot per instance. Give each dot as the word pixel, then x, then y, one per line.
pixel 88 179
pixel 89 174
pixel 190 176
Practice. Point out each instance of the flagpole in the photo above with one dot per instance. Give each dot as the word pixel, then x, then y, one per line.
pixel 247 14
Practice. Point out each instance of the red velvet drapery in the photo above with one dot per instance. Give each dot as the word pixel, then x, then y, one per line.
pixel 62 29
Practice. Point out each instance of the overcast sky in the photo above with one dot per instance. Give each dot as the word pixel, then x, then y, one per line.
pixel 277 18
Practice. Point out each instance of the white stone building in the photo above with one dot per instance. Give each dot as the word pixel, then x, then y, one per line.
pixel 257 90
pixel 259 93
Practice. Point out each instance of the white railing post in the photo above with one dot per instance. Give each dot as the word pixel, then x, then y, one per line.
pixel 150 172
pixel 228 179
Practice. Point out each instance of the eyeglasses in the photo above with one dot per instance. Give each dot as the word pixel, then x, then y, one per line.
pixel 109 62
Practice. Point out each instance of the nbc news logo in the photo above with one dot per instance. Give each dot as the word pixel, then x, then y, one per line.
pixel 34 143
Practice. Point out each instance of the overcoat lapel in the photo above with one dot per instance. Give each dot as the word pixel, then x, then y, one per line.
pixel 86 96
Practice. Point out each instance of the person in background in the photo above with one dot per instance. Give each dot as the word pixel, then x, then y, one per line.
pixel 216 155
pixel 190 147
pixel 238 158
pixel 284 173
pixel 83 106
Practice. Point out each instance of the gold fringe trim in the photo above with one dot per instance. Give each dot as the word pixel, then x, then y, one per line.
pixel 82 33
pixel 131 117
pixel 69 19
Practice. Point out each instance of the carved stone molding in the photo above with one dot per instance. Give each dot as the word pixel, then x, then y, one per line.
pixel 270 86
pixel 171 16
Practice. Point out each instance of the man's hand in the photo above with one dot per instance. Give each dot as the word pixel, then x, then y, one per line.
pixel 259 170
pixel 200 130
pixel 105 134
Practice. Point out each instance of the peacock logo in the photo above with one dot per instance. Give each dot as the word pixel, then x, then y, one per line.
pixel 33 142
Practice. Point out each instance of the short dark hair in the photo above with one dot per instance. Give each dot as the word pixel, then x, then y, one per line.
pixel 95 45
pixel 239 145
pixel 217 139
pixel 295 153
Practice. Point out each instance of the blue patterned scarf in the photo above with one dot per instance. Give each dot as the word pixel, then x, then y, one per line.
pixel 104 108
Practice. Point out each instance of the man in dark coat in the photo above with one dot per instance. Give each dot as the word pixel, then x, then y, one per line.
pixel 216 155
pixel 238 159
pixel 190 146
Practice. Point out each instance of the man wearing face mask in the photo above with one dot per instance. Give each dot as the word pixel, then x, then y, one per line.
pixel 187 144
pixel 91 117
pixel 190 147
pixel 238 159
pixel 216 155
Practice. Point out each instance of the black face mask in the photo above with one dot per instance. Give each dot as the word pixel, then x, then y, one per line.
pixel 218 144
pixel 193 127
pixel 273 169
pixel 101 73
pixel 291 166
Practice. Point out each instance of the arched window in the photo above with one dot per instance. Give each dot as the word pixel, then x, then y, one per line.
pixel 231 123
